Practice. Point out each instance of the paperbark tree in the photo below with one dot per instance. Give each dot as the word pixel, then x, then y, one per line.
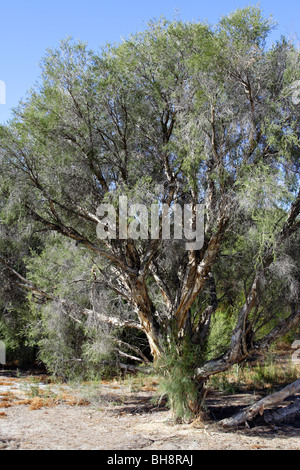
pixel 205 115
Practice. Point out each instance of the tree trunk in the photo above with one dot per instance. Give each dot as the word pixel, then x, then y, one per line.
pixel 197 407
pixel 145 311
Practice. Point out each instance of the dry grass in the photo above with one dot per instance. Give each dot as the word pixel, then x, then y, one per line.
pixel 36 398
pixel 7 398
pixel 77 402
pixel 33 396
pixel 268 373
pixel 3 415
pixel 6 394
pixel 5 383
pixel 39 402
pixel 148 388
pixel 5 404
pixel 26 401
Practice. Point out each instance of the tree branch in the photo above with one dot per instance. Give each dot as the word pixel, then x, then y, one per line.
pixel 249 413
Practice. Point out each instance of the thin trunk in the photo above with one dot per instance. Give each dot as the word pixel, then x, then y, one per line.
pixel 145 311
pixel 197 273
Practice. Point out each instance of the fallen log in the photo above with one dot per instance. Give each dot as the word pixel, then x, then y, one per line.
pixel 283 414
pixel 251 411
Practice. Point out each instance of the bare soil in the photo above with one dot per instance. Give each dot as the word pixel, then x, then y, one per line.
pixel 37 415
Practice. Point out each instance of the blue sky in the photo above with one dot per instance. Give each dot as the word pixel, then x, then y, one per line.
pixel 29 27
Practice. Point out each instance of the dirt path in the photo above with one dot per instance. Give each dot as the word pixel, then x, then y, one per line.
pixel 117 418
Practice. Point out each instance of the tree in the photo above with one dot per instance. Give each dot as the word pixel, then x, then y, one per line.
pixel 180 113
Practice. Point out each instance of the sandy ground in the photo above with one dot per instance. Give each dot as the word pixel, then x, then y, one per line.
pixel 119 418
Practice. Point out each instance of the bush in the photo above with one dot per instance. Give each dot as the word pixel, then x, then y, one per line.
pixel 177 369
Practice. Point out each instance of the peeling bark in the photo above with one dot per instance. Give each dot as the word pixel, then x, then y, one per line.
pixel 196 274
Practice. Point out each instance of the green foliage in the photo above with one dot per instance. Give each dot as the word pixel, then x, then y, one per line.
pixel 221 329
pixel 70 350
pixel 177 369
pixel 247 25
pixel 270 372
pixel 13 331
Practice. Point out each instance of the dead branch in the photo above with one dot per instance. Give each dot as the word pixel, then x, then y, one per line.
pixel 250 412
pixel 283 414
